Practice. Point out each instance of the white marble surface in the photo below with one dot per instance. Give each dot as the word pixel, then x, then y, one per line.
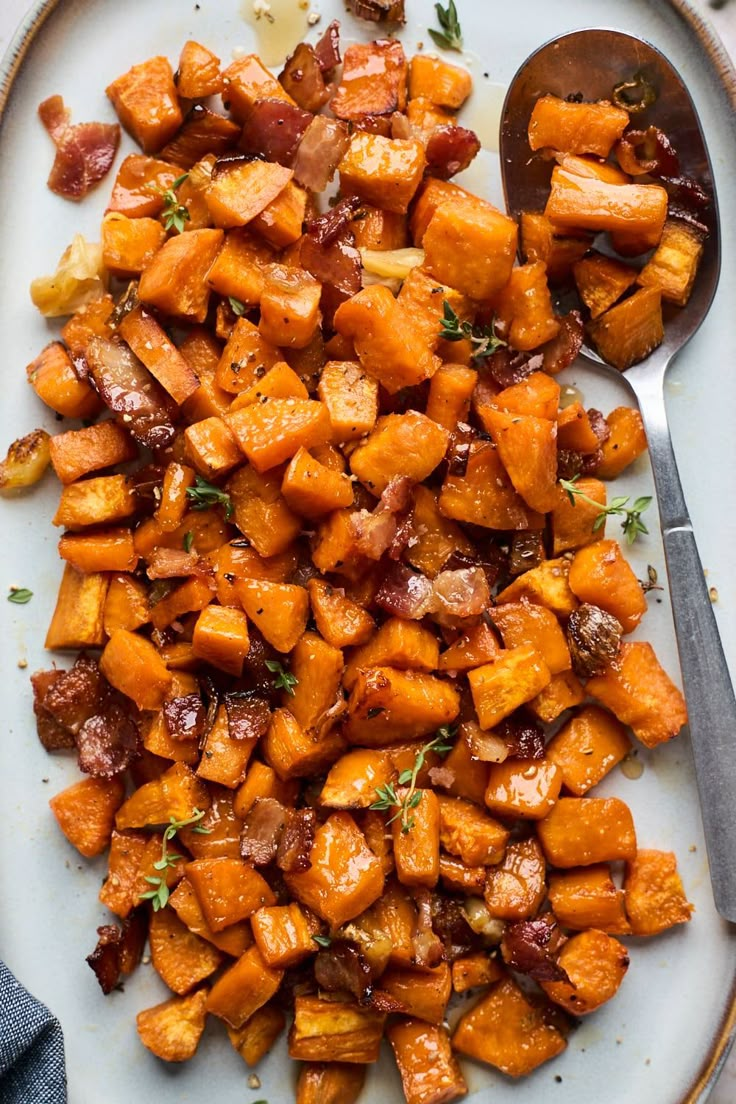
pixel 724 19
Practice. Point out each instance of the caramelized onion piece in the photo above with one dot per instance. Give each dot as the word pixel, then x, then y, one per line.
pixel 130 390
pixel 426 944
pixel 302 77
pixel 523 737
pixel 561 351
pixel 405 593
pixel 489 747
pixel 642 152
pixel 594 638
pixel 248 717
pixel 26 461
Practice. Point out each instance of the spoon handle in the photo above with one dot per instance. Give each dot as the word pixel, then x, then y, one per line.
pixel 708 690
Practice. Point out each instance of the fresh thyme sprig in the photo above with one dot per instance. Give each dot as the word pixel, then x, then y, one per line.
pixel 451 36
pixel 204 494
pixel 159 895
pixel 652 580
pixel 284 679
pixel 484 340
pixel 20 596
pixel 175 214
pixel 322 940
pixel 406 802
pixel 632 524
pixel 236 306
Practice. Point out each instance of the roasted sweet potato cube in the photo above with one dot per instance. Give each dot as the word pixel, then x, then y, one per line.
pixel 340 621
pixel 601 281
pixel 471 775
pixel 290 311
pixel 424 299
pixel 202 350
pixel 564 691
pixel 431 195
pixel 409 444
pixel 260 510
pixel 311 489
pixel 416 841
pixel 557 252
pixel 430 1073
pixel 273 430
pixel 221 638
pixel 147 104
pixel 233 940
pixel 524 307
pixel 329 1083
pixel 381 230
pixel 588 898
pixel 352 780
pixel 574 430
pixel 434 537
pixel 580 831
pixel 388 705
pixel 238 270
pixel 103 550
pixel 78 618
pixel 176 793
pixel 52 377
pixel 524 623
pixel 475 971
pixel 523 788
pixel 345 877
pixel 294 753
pixel 509 680
pixel 425 117
pixel 641 694
pixel 627 333
pixel 121 889
pixel 423 994
pixel 211 448
pixel 527 447
pixel 179 956
pixel 128 244
pixel 97 501
pixel 279 382
pixel 450 391
pixel 191 596
pixel 246 81
pixel 545 585
pixel 243 989
pixel 576 127
pixel 584 203
pixel 241 189
pixel 245 359
pixel 283 935
pixel 172 1030
pixel 507 1031
pixel 471 246
pixel 654 894
pixel 132 665
pixel 228 890
pixel 336 1031
pixel 282 221
pixel 373 80
pixel 441 83
pixel 224 758
pixel 469 833
pixel 625 444
pixel 175 281
pixel 198 73
pixel 573 523
pixel 333 547
pixel 255 1038
pixel 278 610
pixel 154 348
pixel 674 264
pixel 85 812
pixel 601 575
pixel 391 348
pixel 317 667
pixel 587 747
pixel 81 451
pixel 139 187
pixel 516 887
pixel 351 398
pixel 485 495
pixel 596 964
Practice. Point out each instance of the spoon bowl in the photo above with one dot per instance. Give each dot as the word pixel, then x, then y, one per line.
pixel 591 63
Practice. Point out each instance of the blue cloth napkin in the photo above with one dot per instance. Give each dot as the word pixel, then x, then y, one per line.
pixel 32 1067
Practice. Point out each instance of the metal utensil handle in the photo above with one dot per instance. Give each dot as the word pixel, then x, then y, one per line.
pixel 708 689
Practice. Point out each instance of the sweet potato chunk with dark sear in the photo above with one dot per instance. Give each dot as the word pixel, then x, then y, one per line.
pixel 595 964
pixel 336 1031
pixel 387 705
pixel 373 80
pixel 146 101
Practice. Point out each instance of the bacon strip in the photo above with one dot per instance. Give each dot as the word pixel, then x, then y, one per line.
pixel 84 152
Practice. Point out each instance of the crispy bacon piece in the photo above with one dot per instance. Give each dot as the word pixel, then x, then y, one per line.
pixel 343 968
pixel 74 696
pixel 171 563
pixel 337 267
pixel 130 390
pixel 109 741
pixel 528 946
pixel 375 532
pixel 274 130
pixel 451 149
pixel 460 594
pixel 202 132
pixel 262 830
pixel 295 845
pixel 427 946
pixel 303 79
pixel 561 351
pixel 248 717
pixel 523 737
pixel 53 735
pixel 118 950
pixel 405 593
pixel 379 11
pixel 327 50
pixel 451 927
pixel 324 229
pixel 185 717
pixel 508 367
pixel 84 152
pixel 321 150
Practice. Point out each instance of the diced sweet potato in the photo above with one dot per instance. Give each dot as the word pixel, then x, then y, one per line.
pixel 221 638
pixel 176 793
pixel 527 447
pixel 408 444
pixel 273 430
pixel 254 1039
pixel 423 298
pixel 345 877
pixel 385 172
pixel 587 747
pixel 282 220
pixel 52 377
pixel 563 692
pixel 524 307
pixel 172 1030
pixel 329 1083
pixel 516 887
pixel 626 443
pixel 509 680
pixel 406 645
pixel 469 833
pixel 390 347
pixel 596 964
pixel 317 667
pixel 430 1073
pixel 104 550
pixel 241 189
pixel 416 840
pixel 228 890
pixel 572 127
pixel 78 618
pixel 246 81
pixel 388 705
pixel 373 80
pixel 128 244
pixel 674 265
pixel 471 775
pixel 434 537
pixel 471 246
pixel 279 610
pixel 233 940
pixel 654 894
pixel 524 623
pixel 85 812
pixel 294 753
pixel 641 694
pixel 627 333
pixel 485 495
pixel 588 898
pixel 290 311
pixel 338 1031
pixel 243 989
pixel 339 620
pixel 601 281
pixel 557 252
pixel 198 73
pixel 146 102
pixel 441 83
pixel 573 523
pixel 574 430
pixel 311 489
pixel 580 831
pixel 283 935
pixel 81 451
pixel 584 203
pixel 176 279
pixel 153 347
pixel 132 665
pixel 523 788
pixel 351 398
pixel 545 585
pixel 139 187
pixel 179 956
pixel 95 502
pixel 245 359
pixel 507 1031
pixel 475 971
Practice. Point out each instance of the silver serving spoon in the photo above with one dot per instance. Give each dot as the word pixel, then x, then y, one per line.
pixel 593 62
